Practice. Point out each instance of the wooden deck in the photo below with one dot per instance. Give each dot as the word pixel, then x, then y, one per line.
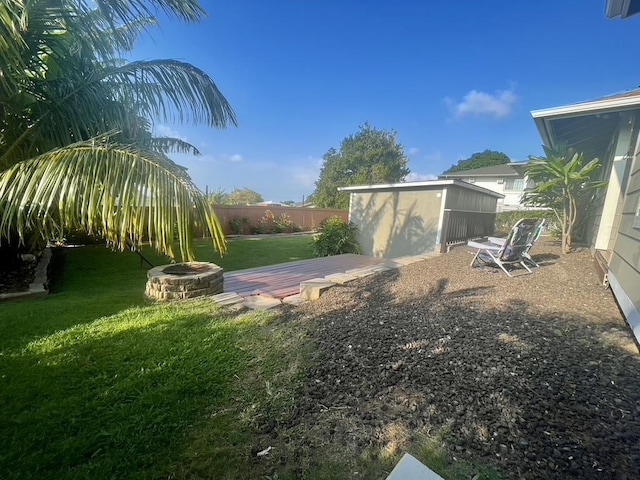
pixel 284 279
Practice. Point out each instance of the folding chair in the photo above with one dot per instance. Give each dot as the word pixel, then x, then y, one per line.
pixel 527 257
pixel 514 249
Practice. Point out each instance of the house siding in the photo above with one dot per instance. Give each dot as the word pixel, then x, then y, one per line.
pixel 625 261
pixel 459 198
pixel 511 200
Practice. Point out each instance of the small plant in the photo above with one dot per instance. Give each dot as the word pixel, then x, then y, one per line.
pixel 336 237
pixel 283 223
pixel 237 224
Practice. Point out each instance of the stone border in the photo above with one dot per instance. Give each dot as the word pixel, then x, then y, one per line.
pixel 312 289
pixel 39 287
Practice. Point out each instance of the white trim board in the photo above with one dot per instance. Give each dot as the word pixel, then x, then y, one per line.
pixel 631 313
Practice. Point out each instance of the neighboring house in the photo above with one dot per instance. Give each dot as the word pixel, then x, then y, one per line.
pixel 413 218
pixel 507 179
pixel 607 128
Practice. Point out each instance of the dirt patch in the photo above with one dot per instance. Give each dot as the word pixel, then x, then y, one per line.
pixel 537 375
pixel 16 277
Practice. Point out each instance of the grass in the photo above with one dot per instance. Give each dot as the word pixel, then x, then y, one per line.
pixel 257 251
pixel 95 382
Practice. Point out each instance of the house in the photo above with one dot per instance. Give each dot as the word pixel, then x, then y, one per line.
pixel 607 128
pixel 413 218
pixel 507 179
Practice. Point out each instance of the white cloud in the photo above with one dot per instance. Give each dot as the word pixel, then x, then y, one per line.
pixel 499 105
pixel 420 177
pixel 236 158
pixel 166 131
pixel 413 151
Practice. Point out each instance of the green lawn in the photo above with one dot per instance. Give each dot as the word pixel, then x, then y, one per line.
pixel 257 251
pixel 96 382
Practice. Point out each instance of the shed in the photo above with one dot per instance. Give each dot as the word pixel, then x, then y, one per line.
pixel 413 218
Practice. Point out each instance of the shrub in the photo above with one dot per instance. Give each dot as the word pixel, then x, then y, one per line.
pixel 237 224
pixel 269 223
pixel 336 237
pixel 506 220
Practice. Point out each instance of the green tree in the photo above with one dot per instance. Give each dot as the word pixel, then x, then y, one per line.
pixel 368 157
pixel 564 183
pixel 488 158
pixel 244 196
pixel 219 197
pixel 76 150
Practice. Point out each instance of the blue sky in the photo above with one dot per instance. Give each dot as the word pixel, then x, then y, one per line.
pixel 451 78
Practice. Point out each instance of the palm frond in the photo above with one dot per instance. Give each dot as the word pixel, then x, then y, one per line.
pixel 167 145
pixel 123 11
pixel 122 193
pixel 172 91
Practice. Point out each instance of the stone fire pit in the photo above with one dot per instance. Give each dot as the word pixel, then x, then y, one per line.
pixel 184 280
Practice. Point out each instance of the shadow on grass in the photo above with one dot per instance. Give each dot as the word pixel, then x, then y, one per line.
pixel 459 383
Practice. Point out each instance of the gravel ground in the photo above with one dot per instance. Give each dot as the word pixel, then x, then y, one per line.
pixel 537 375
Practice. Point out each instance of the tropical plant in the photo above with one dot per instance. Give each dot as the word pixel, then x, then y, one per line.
pixel 564 183
pixel 76 149
pixel 218 197
pixel 336 237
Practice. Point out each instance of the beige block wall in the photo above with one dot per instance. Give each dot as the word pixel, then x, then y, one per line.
pixel 397 223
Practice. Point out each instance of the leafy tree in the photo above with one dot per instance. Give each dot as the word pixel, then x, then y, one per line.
pixel 488 158
pixel 564 183
pixel 367 157
pixel 244 196
pixel 76 150
pixel 219 197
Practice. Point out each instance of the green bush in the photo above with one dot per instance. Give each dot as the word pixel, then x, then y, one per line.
pixel 237 224
pixel 335 237
pixel 506 220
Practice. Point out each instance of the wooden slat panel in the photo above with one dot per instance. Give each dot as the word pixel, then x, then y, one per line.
pixel 284 279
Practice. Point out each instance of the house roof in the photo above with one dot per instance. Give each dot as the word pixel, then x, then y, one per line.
pixel 622 8
pixel 427 185
pixel 624 100
pixel 504 170
pixel 586 126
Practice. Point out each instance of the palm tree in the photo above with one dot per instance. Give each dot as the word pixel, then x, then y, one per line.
pixel 76 149
pixel 564 183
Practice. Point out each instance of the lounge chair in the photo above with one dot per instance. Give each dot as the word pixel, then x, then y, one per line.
pixel 513 250
pixel 525 254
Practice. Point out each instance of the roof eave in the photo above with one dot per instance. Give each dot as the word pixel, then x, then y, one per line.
pixel 603 105
pixel 410 185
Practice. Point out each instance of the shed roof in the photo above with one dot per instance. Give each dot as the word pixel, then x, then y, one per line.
pixel 427 185
pixel 504 170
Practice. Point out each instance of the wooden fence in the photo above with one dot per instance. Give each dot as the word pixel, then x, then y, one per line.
pixel 248 218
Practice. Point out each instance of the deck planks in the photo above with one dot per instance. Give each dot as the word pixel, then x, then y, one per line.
pixel 284 279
